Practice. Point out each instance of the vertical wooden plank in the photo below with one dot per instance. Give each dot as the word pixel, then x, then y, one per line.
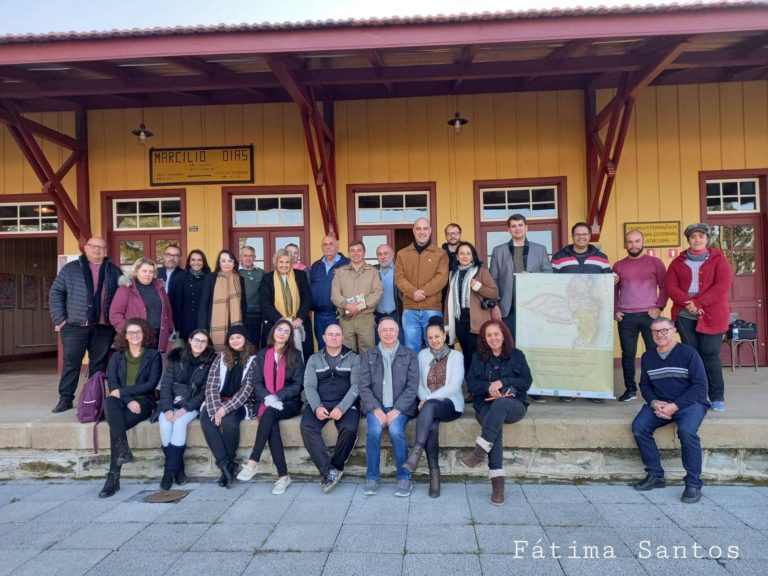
pixel 669 199
pixel 732 122
pixel 418 147
pixel 647 156
pixel 397 149
pixel 571 150
pixel 483 131
pixel 756 115
pixel 441 160
pixel 378 131
pixel 710 127
pixel 274 138
pixel 527 135
pixel 548 129
pixel 690 116
pixel 505 136
pixel 465 160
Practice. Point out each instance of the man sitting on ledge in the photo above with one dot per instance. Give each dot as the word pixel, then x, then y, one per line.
pixel 674 385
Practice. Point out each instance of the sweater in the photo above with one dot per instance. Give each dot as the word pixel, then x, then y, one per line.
pixel 679 378
pixel 566 261
pixel 453 379
pixel 147 376
pixel 641 284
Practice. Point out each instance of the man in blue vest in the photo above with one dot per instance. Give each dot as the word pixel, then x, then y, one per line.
pixel 320 281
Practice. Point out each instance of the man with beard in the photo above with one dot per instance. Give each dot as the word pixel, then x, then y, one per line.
pixel 640 298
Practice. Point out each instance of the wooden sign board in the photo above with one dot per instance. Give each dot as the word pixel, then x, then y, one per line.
pixel 656 234
pixel 208 165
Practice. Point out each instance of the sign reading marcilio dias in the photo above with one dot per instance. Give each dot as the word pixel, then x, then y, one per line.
pixel 207 165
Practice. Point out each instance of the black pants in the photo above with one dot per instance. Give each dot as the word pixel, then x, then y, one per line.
pixel 630 327
pixel 120 419
pixel 428 427
pixel 76 341
pixel 253 326
pixel 509 321
pixel 269 431
pixel 311 434
pixel 708 346
pixel 222 440
pixel 492 417
pixel 467 341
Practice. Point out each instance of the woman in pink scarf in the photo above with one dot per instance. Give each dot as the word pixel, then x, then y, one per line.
pixel 278 378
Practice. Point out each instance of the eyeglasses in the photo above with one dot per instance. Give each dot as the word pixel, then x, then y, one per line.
pixel 134 332
pixel 171 255
pixel 282 330
pixel 96 247
pixel 453 233
pixel 661 331
pixel 201 341
pixel 586 235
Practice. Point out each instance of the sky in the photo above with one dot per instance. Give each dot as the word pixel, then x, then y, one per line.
pixel 41 16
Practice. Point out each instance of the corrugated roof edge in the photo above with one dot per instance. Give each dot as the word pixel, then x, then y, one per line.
pixel 699 5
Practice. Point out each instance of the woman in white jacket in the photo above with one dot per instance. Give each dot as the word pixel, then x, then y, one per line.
pixel 441 373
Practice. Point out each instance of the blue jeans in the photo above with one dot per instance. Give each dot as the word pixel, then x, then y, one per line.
pixel 688 421
pixel 373 446
pixel 630 327
pixel 415 327
pixel 322 320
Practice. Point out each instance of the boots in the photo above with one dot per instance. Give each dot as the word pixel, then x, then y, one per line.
pixel 123 451
pixel 180 476
pixel 166 483
pixel 112 484
pixel 434 482
pixel 412 462
pixel 227 478
pixel 497 490
pixel 475 458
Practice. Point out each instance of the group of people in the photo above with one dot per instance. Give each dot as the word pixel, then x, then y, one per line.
pixel 243 337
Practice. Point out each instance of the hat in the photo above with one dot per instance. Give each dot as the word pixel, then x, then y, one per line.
pixel 698 227
pixel 237 329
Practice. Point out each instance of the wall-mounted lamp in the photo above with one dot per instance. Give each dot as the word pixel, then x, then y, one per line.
pixel 458 123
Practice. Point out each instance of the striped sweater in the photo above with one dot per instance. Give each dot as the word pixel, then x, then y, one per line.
pixel 678 378
pixel 567 261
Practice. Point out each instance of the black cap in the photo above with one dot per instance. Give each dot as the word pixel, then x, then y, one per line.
pixel 237 329
pixel 698 227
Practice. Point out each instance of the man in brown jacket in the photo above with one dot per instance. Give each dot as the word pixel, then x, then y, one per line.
pixel 421 271
pixel 355 291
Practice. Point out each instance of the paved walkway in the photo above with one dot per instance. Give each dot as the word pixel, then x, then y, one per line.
pixel 64 528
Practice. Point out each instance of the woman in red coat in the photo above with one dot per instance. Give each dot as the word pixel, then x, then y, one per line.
pixel 699 283
pixel 143 296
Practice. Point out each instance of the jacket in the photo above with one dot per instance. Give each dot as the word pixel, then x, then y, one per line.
pixel 454 378
pixel 147 377
pixel 294 379
pixel 514 372
pixel 566 261
pixel 243 398
pixel 176 371
pixel 185 296
pixel 69 299
pixel 427 271
pixel 129 304
pixel 503 270
pixel 320 283
pixel 318 378
pixel 162 273
pixel 405 380
pixel 715 279
pixel 477 316
pixel 348 282
pixel 206 300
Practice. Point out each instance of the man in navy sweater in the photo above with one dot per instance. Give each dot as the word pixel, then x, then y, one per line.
pixel 674 385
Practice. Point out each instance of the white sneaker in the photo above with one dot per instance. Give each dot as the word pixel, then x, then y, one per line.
pixel 247 473
pixel 281 485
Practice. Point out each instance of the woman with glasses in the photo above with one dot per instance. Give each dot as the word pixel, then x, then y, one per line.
pixel 278 376
pixel 285 293
pixel 222 301
pixel 186 292
pixel 132 376
pixel 182 391
pixel 698 282
pixel 141 295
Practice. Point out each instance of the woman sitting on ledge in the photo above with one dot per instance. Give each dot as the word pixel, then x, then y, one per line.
pixel 499 379
pixel 132 376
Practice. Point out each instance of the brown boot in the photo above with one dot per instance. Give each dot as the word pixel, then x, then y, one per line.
pixel 475 458
pixel 412 462
pixel 497 490
pixel 434 482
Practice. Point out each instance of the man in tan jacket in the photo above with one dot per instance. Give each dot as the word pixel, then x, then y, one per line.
pixel 421 271
pixel 355 291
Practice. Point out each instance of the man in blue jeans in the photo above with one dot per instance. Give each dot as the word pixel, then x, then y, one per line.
pixel 674 385
pixel 388 383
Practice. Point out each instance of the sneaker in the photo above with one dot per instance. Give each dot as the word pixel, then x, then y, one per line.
pixel 628 396
pixel 718 406
pixel 331 480
pixel 371 488
pixel 537 399
pixel 567 399
pixel 403 488
pixel 597 400
pixel 247 473
pixel 280 486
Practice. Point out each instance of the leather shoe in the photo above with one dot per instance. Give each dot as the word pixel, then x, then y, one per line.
pixel 63 405
pixel 691 495
pixel 649 483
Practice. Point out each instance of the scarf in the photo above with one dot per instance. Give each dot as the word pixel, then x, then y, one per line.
pixel 287 301
pixel 197 273
pixel 438 368
pixel 420 248
pixel 225 308
pixel 274 375
pixel 458 296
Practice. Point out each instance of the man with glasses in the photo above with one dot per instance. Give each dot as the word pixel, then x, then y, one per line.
pixel 674 385
pixel 79 301
pixel 452 239
pixel 171 265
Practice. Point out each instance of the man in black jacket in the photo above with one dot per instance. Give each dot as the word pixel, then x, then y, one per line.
pixel 79 300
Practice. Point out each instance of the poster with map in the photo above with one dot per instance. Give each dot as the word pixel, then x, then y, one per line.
pixel 565 329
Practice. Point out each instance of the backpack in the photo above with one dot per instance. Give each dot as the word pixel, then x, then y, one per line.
pixel 90 404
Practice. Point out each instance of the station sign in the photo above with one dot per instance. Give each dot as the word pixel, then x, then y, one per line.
pixel 207 165
pixel 657 234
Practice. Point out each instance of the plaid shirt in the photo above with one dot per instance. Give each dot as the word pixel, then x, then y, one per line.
pixel 243 397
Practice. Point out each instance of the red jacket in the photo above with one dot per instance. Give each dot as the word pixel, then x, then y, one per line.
pixel 715 278
pixel 128 304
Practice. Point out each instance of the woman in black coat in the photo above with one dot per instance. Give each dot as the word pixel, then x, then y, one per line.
pixel 132 376
pixel 279 292
pixel 186 293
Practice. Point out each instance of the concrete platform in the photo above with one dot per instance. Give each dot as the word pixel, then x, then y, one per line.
pixel 559 441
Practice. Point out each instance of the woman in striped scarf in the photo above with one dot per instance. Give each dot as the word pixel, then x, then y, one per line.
pixel 222 300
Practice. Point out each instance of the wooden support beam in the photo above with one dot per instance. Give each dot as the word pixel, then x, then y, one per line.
pixel 41 130
pixel 465 59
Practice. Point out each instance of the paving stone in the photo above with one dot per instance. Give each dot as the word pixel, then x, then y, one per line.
pixel 128 489
pixel 745 567
pixel 374 538
pixel 515 540
pixel 753 516
pixel 134 512
pixel 12 559
pixel 271 563
pixel 344 491
pixel 36 536
pixel 511 513
pixel 111 536
pixel 212 491
pixel 752 544
pixel 62 562
pixel 64 492
pixel 14 491
pixel 447 538
pixel 609 494
pixel 355 563
pixel 263 491
pixel 506 564
pixel 199 563
pixel 255 511
pixel 379 509
pixel 317 512
pixel 77 511
pixel 121 562
pixel 568 514
pixel 552 493
pixel 302 537
pixel 701 514
pixel 608 567
pixel 440 564
pixel 589 536
pixel 176 538
pixel 656 567
pixel 480 493
pixel 738 495
pixel 643 542
pixel 634 515
pixel 205 512
pixel 668 495
pixel 234 537
pixel 449 491
pixel 22 511
pixel 439 512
